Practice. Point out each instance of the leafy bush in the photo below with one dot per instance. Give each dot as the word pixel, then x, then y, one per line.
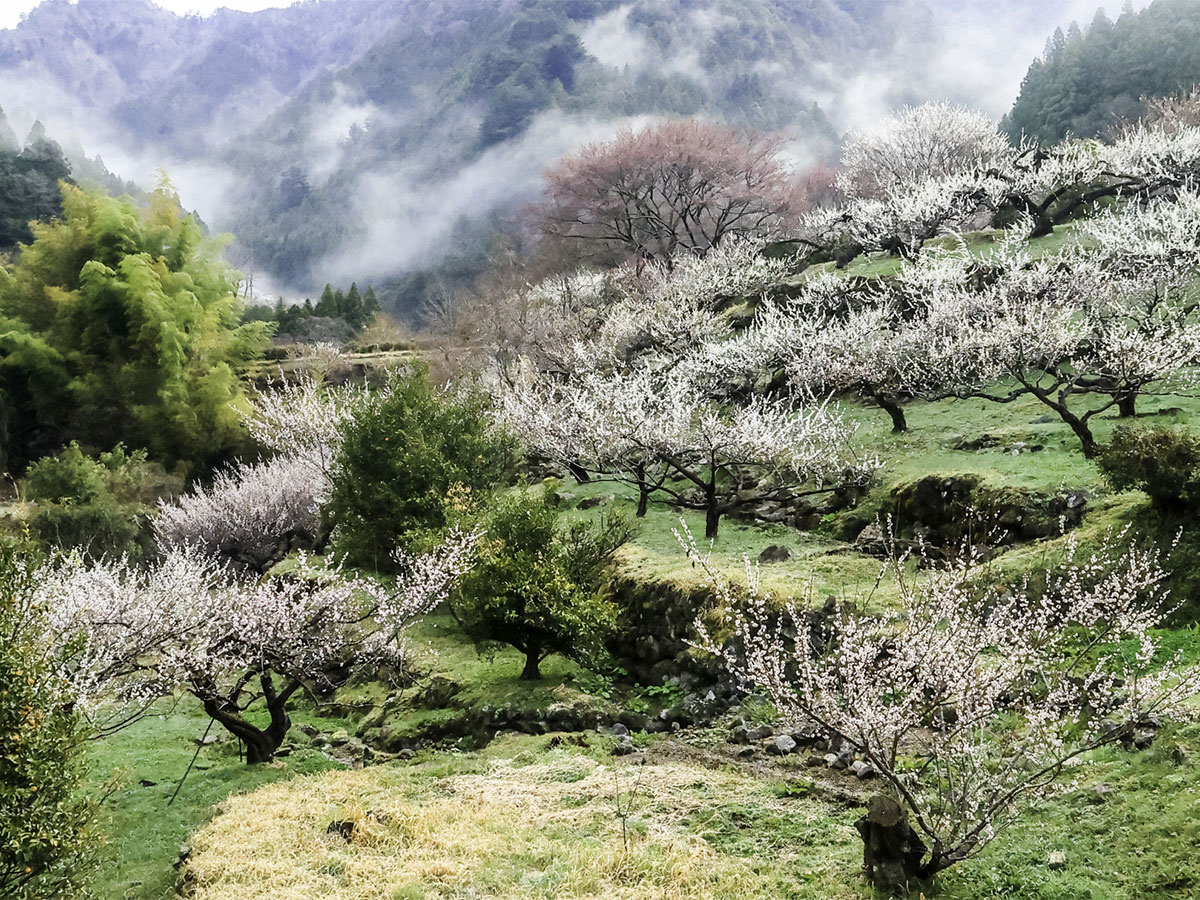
pixel 538 585
pixel 1160 460
pixel 46 836
pixel 403 459
pixel 101 505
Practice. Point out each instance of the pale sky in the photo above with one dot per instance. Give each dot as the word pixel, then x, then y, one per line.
pixel 12 10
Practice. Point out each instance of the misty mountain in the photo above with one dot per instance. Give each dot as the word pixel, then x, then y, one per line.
pixel 353 139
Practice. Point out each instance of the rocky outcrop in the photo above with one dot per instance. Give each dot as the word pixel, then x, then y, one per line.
pixel 948 510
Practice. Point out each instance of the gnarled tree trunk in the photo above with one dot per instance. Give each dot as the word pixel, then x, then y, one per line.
pixel 892 850
pixel 260 743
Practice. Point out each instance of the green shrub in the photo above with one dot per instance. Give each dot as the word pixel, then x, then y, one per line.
pixel 1160 460
pixel 47 840
pixel 538 585
pixel 99 505
pixel 67 477
pixel 404 460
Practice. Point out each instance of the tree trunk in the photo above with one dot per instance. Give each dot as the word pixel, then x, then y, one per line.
pixel 1086 439
pixel 3 438
pixel 532 670
pixel 712 514
pixel 643 490
pixel 1077 424
pixel 892 407
pixel 1127 405
pixel 261 743
pixel 579 473
pixel 892 851
pixel 1043 225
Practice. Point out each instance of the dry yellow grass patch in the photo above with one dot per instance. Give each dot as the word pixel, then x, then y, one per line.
pixel 549 829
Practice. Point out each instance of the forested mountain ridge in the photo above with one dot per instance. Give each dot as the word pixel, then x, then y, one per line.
pixel 182 81
pixel 1090 79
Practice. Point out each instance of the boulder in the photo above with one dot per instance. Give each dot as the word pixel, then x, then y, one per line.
pixel 782 745
pixel 862 769
pixel 624 746
pixel 776 553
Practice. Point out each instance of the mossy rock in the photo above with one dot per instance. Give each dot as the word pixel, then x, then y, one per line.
pixel 946 510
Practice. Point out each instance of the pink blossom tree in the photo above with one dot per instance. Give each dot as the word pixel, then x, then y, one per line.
pixel 676 187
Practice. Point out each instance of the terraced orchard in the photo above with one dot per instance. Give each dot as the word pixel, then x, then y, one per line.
pixel 854 564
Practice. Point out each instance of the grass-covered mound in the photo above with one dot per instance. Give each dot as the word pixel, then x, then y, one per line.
pixel 539 818
pixel 533 822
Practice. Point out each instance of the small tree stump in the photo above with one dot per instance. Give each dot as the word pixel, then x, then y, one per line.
pixel 892 851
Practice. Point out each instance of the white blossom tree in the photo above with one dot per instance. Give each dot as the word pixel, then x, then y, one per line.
pixel 1110 317
pixel 253 514
pixel 190 623
pixel 930 141
pixel 906 183
pixel 666 436
pixel 971 698
pixel 605 321
pixel 833 335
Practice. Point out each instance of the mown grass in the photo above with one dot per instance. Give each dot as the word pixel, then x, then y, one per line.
pixel 524 820
pixel 521 820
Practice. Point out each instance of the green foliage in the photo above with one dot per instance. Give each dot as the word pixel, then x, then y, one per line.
pixel 538 585
pixel 122 325
pixel 47 842
pixel 406 462
pixel 99 505
pixel 1089 78
pixel 1162 461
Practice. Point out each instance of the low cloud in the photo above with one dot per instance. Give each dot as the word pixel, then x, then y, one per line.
pixel 409 220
